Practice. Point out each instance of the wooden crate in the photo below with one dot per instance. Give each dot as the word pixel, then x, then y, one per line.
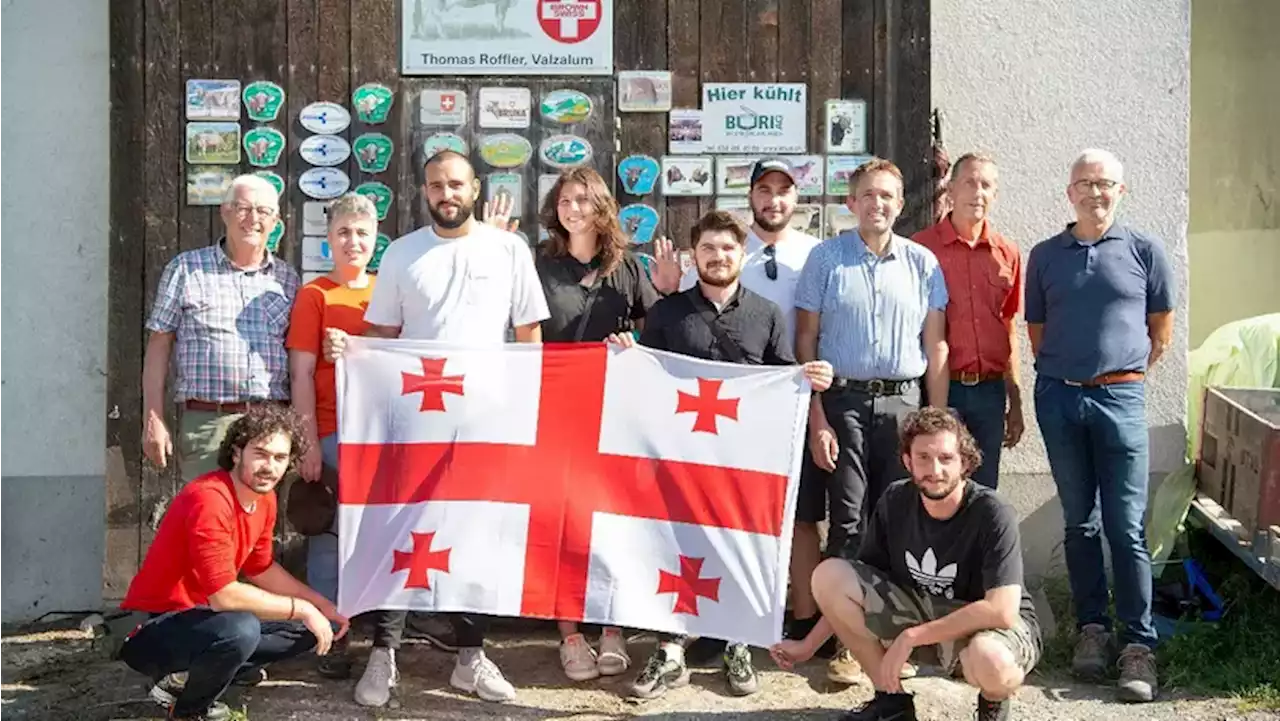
pixel 1239 461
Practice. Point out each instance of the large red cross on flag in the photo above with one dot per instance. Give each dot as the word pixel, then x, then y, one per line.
pixel 586 482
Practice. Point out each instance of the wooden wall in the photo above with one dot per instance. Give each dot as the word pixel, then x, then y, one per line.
pixel 877 50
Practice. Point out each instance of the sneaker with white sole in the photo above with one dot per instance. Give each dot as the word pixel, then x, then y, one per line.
pixel 165 691
pixel 577 658
pixel 380 676
pixel 665 670
pixel 738 670
pixel 482 678
pixel 613 659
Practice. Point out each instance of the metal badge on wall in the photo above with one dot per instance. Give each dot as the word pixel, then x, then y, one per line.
pixel 325 118
pixel 565 151
pixel 325 150
pixel 379 248
pixel 443 141
pixel 379 194
pixel 276 181
pixel 213 143
pixel 273 240
pixel 639 221
pixel 213 99
pixel 373 152
pixel 510 185
pixel 566 107
pixel 443 107
pixel 264 145
pixel 505 150
pixel 372 102
pixel 324 183
pixel 263 101
pixel 638 174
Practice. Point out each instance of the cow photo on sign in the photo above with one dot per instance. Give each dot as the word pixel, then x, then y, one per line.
pixel 507 37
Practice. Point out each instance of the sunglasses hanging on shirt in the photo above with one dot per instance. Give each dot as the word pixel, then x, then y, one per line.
pixel 771 262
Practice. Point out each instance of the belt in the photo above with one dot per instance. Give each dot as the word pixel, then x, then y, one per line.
pixel 237 407
pixel 973 379
pixel 875 386
pixel 1107 379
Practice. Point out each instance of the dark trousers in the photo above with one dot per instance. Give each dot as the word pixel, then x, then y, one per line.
pixel 388 628
pixel 212 647
pixel 982 407
pixel 866 427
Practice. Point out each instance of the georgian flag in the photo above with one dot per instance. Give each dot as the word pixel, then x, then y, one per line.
pixel 584 482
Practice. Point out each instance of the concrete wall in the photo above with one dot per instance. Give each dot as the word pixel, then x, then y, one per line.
pixel 1235 162
pixel 1033 84
pixel 55 68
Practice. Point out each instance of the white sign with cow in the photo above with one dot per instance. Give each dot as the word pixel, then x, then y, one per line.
pixel 507 37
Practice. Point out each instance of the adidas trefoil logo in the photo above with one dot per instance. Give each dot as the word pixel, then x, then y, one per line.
pixel 927 575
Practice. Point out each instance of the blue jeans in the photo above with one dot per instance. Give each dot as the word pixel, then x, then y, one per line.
pixel 322 550
pixel 1096 439
pixel 982 408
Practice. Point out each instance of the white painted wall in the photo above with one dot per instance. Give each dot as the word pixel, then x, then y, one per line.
pixel 54 200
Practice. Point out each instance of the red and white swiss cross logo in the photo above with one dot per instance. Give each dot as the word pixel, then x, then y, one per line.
pixel 569 21
pixel 448 101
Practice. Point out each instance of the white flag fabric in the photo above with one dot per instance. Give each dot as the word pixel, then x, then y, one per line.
pixel 584 482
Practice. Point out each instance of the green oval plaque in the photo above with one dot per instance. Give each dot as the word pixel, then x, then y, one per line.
pixel 372 103
pixel 373 152
pixel 264 145
pixel 263 101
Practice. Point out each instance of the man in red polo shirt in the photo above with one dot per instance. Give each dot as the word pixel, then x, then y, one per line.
pixel 202 620
pixel 983 272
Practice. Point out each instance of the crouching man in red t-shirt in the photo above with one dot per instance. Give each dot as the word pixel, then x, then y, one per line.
pixel 203 620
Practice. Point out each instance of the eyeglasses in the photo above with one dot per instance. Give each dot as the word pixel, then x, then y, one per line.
pixel 245 210
pixel 1086 186
pixel 771 262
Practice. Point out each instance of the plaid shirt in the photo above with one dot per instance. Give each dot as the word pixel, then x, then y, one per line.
pixel 230 325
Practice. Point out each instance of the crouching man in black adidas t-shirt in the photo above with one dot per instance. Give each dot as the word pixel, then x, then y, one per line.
pixel 938 574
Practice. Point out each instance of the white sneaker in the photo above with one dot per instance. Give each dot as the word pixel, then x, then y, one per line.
pixel 577 658
pixel 613 660
pixel 482 678
pixel 165 691
pixel 380 676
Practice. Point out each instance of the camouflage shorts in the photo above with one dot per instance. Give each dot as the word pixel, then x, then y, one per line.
pixel 890 609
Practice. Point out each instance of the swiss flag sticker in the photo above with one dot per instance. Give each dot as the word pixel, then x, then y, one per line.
pixel 569 21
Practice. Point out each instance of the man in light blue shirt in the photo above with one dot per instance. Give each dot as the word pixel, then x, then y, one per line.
pixel 873 304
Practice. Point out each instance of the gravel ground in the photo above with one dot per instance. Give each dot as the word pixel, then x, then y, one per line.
pixel 52 675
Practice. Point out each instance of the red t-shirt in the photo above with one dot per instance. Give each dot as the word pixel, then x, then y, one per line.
pixel 206 540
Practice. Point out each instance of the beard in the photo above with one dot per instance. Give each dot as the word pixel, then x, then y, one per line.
pixel 261 483
pixel 719 282
pixel 769 225
pixel 464 214
pixel 936 491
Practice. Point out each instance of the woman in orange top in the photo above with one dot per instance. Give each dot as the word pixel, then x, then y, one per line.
pixel 337 300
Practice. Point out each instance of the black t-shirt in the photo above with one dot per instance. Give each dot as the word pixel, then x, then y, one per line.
pixel 679 323
pixel 624 297
pixel 961 558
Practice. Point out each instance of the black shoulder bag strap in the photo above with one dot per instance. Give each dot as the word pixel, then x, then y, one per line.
pixel 586 310
pixel 727 344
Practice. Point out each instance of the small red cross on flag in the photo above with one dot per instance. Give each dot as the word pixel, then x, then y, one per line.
pixel 707 405
pixel 688 586
pixel 432 384
pixel 420 561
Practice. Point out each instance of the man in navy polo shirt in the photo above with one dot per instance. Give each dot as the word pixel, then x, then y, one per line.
pixel 1099 311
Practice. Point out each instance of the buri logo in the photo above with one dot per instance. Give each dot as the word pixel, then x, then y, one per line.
pixel 569 21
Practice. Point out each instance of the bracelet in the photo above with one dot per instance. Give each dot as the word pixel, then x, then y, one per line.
pixel 292 608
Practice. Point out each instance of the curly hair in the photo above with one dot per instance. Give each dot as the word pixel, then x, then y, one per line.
pixel 261 421
pixel 930 421
pixel 612 241
pixel 717 221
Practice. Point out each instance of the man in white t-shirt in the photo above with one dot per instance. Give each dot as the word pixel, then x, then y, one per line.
pixel 776 253
pixel 460 281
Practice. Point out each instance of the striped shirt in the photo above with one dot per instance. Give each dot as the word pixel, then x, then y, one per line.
pixel 230 325
pixel 871 309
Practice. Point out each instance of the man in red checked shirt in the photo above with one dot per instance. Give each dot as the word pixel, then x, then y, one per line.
pixel 196 617
pixel 983 272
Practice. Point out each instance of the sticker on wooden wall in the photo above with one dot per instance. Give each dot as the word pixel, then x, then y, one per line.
pixel 213 99
pixel 505 150
pixel 684 132
pixel 273 240
pixel 443 141
pixel 737 206
pixel 325 118
pixel 734 175
pixel 639 221
pixel 373 152
pixel 264 145
pixel 443 107
pixel 208 184
pixel 213 143
pixel 638 174
pixel 498 185
pixel 324 183
pixel 566 107
pixel 846 126
pixel 687 175
pixel 316 253
pixel 372 102
pixel 263 101
pixel 644 91
pixel 504 107
pixel 546 182
pixel 378 194
pixel 276 181
pixel 839 169
pixel 379 248
pixel 837 219
pixel 315 218
pixel 565 151
pixel 325 150
pixel 809 173
pixel 807 219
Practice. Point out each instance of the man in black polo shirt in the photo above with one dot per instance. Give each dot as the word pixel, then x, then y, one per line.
pixel 717 320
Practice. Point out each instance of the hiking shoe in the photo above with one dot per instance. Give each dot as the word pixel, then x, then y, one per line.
pixel 482 678
pixel 799 628
pixel 1137 674
pixel 1090 660
pixel 435 630
pixel 217 712
pixel 577 658
pixel 336 664
pixel 380 676
pixel 665 669
pixel 884 707
pixel 844 668
pixel 989 710
pixel 738 671
pixel 250 676
pixel 613 660
pixel 165 691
